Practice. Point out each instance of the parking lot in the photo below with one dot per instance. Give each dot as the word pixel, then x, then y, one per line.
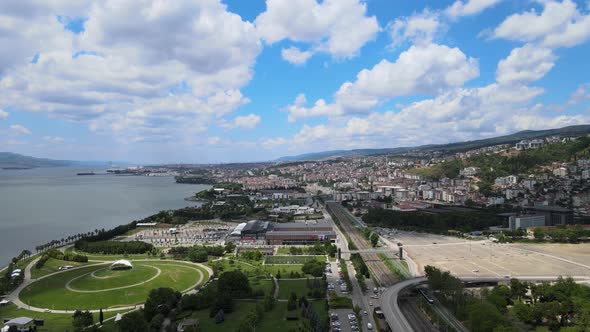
pixel 185 235
pixel 485 258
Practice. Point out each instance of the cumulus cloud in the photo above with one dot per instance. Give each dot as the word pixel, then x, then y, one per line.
pixel 147 71
pixel 560 24
pixel 338 27
pixel 3 114
pixel 456 115
pixel 20 130
pixel 422 69
pixel 469 7
pixel 581 94
pixel 420 28
pixel 249 121
pixel 525 64
pixel 53 139
pixel 213 140
pixel 295 55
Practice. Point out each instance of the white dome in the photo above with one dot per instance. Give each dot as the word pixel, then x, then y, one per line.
pixel 121 264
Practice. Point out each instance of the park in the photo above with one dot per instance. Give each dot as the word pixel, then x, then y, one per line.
pixel 96 286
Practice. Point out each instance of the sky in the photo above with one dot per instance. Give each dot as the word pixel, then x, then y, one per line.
pixel 210 81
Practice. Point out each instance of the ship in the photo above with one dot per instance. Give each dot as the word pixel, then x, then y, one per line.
pixel 86 173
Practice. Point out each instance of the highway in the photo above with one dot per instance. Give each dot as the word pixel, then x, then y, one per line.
pixel 399 323
pixel 378 269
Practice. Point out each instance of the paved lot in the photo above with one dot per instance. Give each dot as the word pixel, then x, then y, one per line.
pixel 471 258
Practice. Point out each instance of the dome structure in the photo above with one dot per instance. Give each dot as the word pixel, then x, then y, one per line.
pixel 121 264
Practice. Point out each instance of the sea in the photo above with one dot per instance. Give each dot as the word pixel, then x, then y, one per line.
pixel 43 204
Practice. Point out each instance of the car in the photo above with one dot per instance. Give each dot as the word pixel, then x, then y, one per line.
pixel 47 310
pixel 336 323
pixel 369 326
pixel 370 303
pixel 475 271
pixel 365 312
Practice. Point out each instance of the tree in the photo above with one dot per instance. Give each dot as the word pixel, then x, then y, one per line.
pixel 82 319
pixel 133 322
pixel 374 239
pixel 234 283
pixel 313 267
pixel 219 317
pixel 160 300
pixel 292 302
pixel 198 255
pixel 229 247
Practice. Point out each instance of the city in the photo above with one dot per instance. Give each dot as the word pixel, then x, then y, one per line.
pixel 294 166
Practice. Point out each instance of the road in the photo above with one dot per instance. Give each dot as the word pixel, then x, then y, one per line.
pixel 358 298
pixel 399 323
pixel 378 269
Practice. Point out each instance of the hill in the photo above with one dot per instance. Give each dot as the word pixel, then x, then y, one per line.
pixel 450 147
pixel 9 160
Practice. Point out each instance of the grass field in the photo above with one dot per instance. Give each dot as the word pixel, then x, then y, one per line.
pixel 51 292
pixel 272 321
pixel 53 322
pixel 270 260
pixel 299 287
pixel 51 266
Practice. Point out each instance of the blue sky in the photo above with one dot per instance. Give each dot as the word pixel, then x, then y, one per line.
pixel 223 81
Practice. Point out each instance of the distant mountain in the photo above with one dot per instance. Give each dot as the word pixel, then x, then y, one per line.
pixel 9 160
pixel 450 147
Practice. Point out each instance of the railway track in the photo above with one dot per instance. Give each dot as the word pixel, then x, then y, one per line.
pixel 377 267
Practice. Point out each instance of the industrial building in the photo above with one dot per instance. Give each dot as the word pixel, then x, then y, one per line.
pixel 554 215
pixel 299 233
pixel 285 233
pixel 525 221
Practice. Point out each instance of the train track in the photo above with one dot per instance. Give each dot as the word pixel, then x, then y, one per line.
pixel 377 267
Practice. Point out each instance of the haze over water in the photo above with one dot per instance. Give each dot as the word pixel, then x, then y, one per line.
pixel 44 204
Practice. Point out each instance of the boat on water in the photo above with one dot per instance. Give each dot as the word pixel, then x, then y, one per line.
pixel 86 173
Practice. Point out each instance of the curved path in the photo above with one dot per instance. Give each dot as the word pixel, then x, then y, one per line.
pixel 68 287
pixel 399 323
pixel 14 296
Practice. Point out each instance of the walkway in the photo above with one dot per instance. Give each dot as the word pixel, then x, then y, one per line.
pixel 14 296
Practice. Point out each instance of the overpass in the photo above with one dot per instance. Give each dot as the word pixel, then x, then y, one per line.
pixel 399 323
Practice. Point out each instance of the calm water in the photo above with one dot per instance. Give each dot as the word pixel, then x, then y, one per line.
pixel 40 205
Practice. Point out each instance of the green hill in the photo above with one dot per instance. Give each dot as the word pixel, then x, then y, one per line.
pixel 450 147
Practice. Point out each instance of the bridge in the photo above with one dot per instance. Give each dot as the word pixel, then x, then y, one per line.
pixel 398 321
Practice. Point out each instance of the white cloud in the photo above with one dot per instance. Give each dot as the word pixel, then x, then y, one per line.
pixel 143 71
pixel 295 55
pixel 420 28
pixel 469 7
pixel 456 115
pixel 3 114
pixel 422 69
pixel 272 143
pixel 53 139
pixel 213 140
pixel 581 94
pixel 337 27
pixel 249 121
pixel 525 64
pixel 560 24
pixel 20 130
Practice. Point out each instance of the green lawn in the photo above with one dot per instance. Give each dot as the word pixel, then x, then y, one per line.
pixel 285 269
pixel 53 322
pixel 270 260
pixel 51 292
pixel 51 266
pixel 299 287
